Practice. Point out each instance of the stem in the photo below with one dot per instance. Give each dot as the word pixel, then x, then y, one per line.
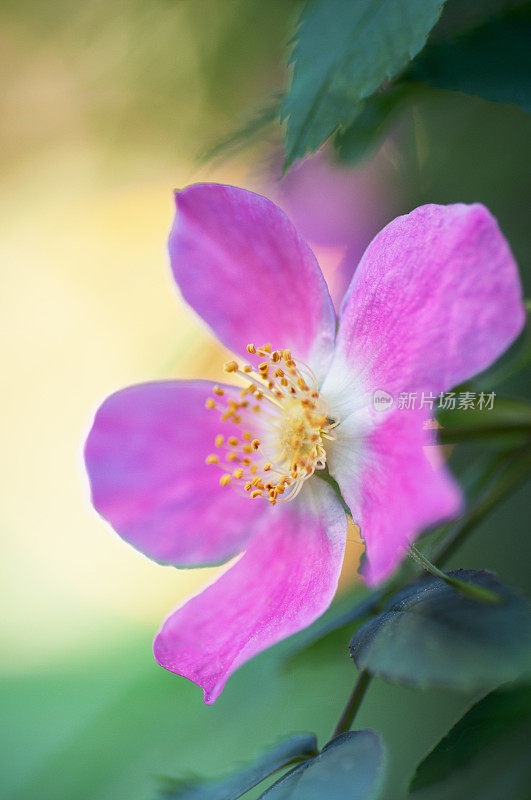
pixel 464 588
pixel 353 703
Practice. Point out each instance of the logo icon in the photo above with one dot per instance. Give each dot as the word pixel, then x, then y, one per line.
pixel 382 400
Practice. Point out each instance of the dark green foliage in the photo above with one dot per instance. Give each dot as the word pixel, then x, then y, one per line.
pixel 492 61
pixel 350 766
pixel 375 117
pixel 486 754
pixel 431 635
pixel 344 52
pixel 295 749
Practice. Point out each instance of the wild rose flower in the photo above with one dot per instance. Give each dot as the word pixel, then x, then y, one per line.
pixel 435 299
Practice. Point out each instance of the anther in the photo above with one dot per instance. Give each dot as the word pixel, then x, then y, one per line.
pixel 293 413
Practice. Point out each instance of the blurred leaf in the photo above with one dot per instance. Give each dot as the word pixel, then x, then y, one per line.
pixel 492 61
pixel 506 417
pixel 351 766
pixel 250 128
pixel 366 132
pixel 486 754
pixel 430 635
pixel 491 483
pixel 285 753
pixel 344 52
pixel 461 15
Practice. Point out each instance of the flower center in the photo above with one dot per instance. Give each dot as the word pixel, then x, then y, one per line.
pixel 283 423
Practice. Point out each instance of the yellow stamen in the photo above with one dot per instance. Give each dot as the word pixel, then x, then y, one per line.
pixel 283 433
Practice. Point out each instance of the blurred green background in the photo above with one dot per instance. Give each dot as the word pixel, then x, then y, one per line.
pixel 106 106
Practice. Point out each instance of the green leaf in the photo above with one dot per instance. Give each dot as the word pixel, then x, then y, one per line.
pixel 351 766
pixel 344 52
pixel 492 61
pixel 431 635
pixel 285 753
pixel 370 126
pixel 486 754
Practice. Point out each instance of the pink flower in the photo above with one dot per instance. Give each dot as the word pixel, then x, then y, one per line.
pixel 435 299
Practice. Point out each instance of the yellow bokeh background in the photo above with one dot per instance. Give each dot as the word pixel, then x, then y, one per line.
pixel 87 306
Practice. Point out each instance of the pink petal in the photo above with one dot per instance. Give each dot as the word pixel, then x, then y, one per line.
pixel 283 582
pixel 242 266
pixel 436 299
pixel 395 483
pixel 145 457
